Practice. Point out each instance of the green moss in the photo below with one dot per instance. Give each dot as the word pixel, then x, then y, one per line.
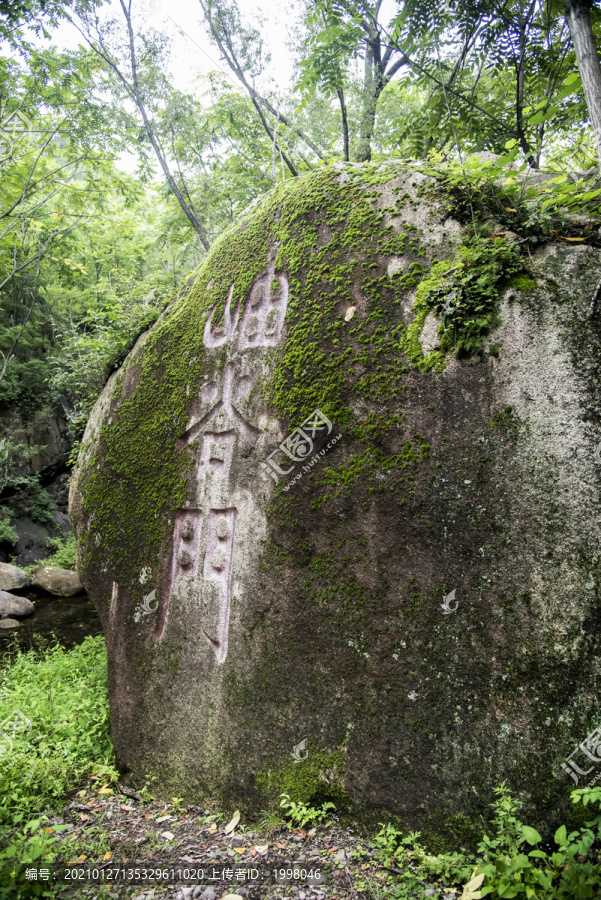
pixel 522 282
pixel 319 777
pixel 465 294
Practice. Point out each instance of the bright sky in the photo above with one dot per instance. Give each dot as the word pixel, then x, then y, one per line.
pixel 192 51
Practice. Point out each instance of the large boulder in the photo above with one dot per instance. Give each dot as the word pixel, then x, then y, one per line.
pixel 57 581
pixel 328 564
pixel 12 577
pixel 11 605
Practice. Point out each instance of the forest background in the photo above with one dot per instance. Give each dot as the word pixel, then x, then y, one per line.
pixel 115 180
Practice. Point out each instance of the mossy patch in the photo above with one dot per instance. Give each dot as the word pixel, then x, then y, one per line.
pixel 317 778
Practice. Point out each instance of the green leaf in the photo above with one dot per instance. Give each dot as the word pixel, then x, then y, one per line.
pixel 510 144
pixel 531 834
pixel 560 835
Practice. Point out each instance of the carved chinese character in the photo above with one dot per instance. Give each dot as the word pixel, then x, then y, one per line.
pixel 184 555
pixel 264 312
pixel 217 571
pixel 232 386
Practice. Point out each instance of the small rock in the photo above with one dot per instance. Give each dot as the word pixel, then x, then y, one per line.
pixel 237 840
pixel 12 577
pixel 10 605
pixel 428 338
pixel 340 856
pixel 430 892
pixel 209 894
pixel 60 582
pixel 9 623
pixel 197 891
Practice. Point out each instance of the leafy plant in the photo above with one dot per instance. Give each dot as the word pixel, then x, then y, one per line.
pixel 8 535
pixel 301 814
pixel 467 298
pixel 271 822
pixel 56 705
pixel 32 845
pixel 41 506
pixel 63 555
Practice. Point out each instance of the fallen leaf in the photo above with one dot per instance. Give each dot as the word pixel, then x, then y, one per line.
pixel 107 855
pixel 262 849
pixel 213 828
pixel 349 313
pixel 97 809
pixel 312 832
pixel 132 809
pixel 167 835
pixel 510 209
pixel 231 825
pixel 105 790
pixel 239 849
pixel 573 239
pixel 51 830
pixel 164 819
pixel 187 859
pixel 470 890
pixel 81 793
pixel 281 846
pixel 81 859
pixel 83 817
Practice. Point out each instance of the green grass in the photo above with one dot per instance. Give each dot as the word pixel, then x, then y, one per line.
pixel 59 701
pixel 63 694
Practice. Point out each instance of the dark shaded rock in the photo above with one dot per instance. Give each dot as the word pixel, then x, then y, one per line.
pixel 9 623
pixel 33 540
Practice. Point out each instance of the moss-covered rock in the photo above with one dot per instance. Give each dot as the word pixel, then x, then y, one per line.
pixel 247 610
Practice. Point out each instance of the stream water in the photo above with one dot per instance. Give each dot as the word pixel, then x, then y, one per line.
pixel 69 619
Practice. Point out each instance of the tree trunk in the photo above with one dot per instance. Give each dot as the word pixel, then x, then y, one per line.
pixel 369 108
pixel 345 141
pixel 578 17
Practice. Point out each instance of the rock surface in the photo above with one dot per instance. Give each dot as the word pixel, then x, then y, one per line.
pixel 12 578
pixel 5 624
pixel 10 605
pixel 327 565
pixel 60 582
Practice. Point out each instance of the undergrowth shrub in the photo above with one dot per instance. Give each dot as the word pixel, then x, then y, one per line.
pixel 54 718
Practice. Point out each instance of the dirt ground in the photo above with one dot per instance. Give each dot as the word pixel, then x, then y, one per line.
pixel 148 850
